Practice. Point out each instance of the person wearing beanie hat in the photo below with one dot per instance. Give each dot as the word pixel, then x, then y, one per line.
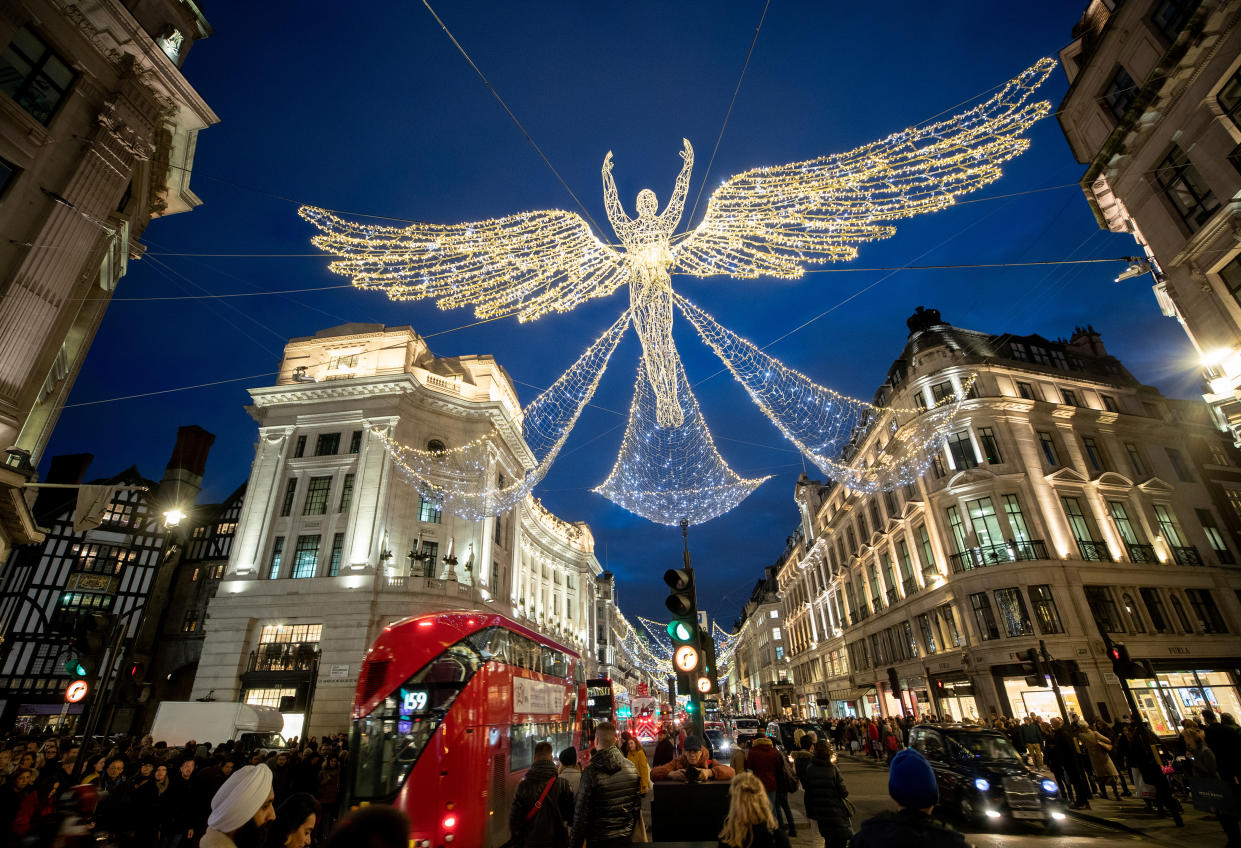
pixel 912 785
pixel 242 806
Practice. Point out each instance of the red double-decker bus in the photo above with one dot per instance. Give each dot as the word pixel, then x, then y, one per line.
pixel 447 712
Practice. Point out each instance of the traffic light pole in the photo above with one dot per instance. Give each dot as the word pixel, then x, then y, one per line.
pixel 695 697
pixel 1055 685
pixel 1124 681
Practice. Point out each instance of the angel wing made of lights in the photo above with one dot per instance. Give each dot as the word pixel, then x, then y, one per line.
pixel 769 221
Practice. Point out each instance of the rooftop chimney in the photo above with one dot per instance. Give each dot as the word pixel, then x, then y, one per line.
pixel 924 319
pixel 183 478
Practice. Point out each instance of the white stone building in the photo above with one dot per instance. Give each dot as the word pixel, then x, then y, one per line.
pixel 333 543
pixel 760 679
pixel 98 127
pixel 1154 112
pixel 1069 501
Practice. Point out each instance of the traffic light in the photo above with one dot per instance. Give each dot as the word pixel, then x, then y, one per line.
pixel 1067 673
pixel 894 682
pixel 1033 668
pixel 708 682
pixel 88 643
pixel 687 657
pixel 1122 666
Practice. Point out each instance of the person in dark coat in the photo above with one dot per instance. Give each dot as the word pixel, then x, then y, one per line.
pixel 1225 743
pixel 664 750
pixel 825 795
pixel 1061 758
pixel 768 764
pixel 543 806
pixel 912 785
pixel 608 804
pixel 1148 763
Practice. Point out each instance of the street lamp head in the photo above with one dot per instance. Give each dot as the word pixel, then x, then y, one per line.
pixel 173 517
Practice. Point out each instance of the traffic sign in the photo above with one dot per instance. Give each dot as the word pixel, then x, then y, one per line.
pixel 75 691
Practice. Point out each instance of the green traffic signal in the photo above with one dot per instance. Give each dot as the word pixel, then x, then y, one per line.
pixel 680 631
pixel 75 667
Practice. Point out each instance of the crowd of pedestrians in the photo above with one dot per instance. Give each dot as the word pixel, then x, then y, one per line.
pixel 142 793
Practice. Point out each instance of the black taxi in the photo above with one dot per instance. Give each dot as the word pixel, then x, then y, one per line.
pixel 983 779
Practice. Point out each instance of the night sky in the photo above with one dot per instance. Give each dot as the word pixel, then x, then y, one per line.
pixel 368 108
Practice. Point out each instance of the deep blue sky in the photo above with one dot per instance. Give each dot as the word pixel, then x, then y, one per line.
pixel 369 107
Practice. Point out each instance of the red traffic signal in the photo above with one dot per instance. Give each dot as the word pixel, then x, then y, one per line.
pixel 1115 653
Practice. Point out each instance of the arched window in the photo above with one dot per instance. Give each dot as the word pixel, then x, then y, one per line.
pixel 436 446
pixel 1179 609
pixel 1134 615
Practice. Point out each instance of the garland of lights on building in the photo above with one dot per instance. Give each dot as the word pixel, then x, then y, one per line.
pixel 769 221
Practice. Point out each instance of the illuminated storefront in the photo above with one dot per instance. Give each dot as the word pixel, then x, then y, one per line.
pixel 1024 699
pixel 956 699
pixel 1177 695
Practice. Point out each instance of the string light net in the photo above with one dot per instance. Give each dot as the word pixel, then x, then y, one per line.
pixel 828 427
pixel 771 221
pixel 478 479
pixel 661 645
pixel 670 474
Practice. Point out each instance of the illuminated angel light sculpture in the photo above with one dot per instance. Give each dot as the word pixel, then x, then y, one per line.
pixel 769 221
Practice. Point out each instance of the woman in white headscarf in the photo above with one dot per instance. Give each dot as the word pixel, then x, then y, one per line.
pixel 240 807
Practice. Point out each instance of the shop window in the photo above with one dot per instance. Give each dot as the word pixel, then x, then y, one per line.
pixel 1013 613
pixel 1103 607
pixel 1045 611
pixel 984 617
pixel 1156 610
pixel 1187 192
pixel 1133 614
pixel 1203 605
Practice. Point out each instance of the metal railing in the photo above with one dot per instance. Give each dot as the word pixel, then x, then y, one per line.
pixel 1094 551
pixel 911 586
pixel 987 555
pixel 893 597
pixel 1187 555
pixel 284 656
pixel 1141 553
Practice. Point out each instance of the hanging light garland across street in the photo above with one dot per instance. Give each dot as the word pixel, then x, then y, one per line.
pixel 769 221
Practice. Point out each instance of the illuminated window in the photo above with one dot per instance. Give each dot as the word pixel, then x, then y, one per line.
pixel 305 556
pixel 268 697
pixel 316 496
pixel 429 510
pixel 273 634
pixel 191 621
pixel 277 548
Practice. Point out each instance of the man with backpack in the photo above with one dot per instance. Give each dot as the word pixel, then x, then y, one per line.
pixel 543 807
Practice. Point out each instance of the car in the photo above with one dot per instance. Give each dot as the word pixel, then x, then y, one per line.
pixel 784 733
pixel 983 779
pixel 746 728
pixel 721 743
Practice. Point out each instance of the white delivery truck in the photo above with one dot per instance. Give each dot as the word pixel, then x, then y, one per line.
pixel 253 727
